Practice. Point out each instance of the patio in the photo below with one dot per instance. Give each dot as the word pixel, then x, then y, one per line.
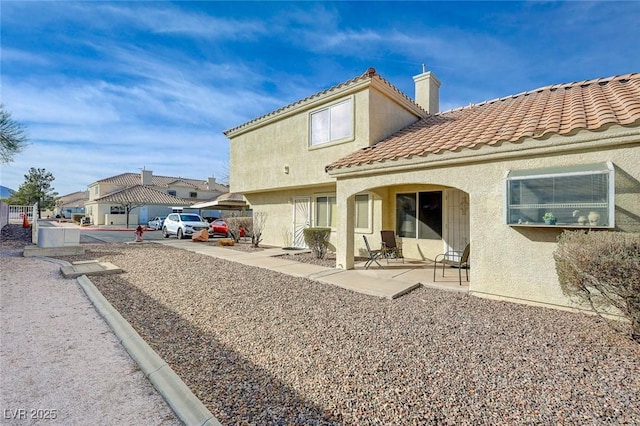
pixel 391 281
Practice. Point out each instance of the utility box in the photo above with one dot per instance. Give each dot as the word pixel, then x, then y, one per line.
pixel 58 237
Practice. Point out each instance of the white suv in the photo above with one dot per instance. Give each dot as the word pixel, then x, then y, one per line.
pixel 183 224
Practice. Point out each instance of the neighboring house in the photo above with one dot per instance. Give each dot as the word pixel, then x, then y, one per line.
pixel 69 204
pixel 361 157
pixel 152 196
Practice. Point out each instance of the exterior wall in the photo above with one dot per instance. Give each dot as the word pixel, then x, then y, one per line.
pixel 514 263
pixel 279 209
pixel 260 156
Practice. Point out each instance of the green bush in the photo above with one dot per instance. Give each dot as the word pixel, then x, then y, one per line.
pixel 602 269
pixel 317 240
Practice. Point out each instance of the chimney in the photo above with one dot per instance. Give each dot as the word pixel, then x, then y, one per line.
pixel 211 183
pixel 147 177
pixel 427 91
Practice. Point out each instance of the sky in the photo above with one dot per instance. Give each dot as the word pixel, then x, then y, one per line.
pixel 105 88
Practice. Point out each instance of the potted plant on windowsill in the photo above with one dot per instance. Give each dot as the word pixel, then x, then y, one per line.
pixel 549 218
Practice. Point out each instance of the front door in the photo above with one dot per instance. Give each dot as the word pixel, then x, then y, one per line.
pixel 143 216
pixel 456 223
pixel 301 220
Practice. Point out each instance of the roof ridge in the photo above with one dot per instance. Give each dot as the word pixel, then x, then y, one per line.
pixel 370 73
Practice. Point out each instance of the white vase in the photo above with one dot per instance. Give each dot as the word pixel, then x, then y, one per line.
pixel 594 218
pixel 582 220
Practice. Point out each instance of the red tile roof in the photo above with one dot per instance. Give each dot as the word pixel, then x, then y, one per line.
pixel 132 179
pixel 140 194
pixel 558 109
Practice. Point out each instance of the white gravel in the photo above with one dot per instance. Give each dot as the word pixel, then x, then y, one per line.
pixel 258 347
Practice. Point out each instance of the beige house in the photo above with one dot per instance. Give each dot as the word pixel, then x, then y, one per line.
pixel 152 195
pixel 70 204
pixel 361 157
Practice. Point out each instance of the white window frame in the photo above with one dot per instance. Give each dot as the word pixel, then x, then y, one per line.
pixel 315 210
pixel 569 212
pixel 369 207
pixel 332 139
pixel 172 192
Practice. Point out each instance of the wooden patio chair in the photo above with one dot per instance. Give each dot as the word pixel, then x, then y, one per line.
pixel 374 255
pixel 390 247
pixel 455 259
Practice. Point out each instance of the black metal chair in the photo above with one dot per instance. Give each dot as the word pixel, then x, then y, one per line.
pixel 455 259
pixel 374 255
pixel 390 247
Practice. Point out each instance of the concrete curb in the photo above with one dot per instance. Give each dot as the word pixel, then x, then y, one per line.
pixel 189 409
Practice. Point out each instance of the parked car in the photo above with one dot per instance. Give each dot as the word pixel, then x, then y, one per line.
pixel 183 225
pixel 156 223
pixel 220 227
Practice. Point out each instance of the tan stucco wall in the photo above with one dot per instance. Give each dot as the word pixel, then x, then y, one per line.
pixel 278 206
pixel 512 262
pixel 258 157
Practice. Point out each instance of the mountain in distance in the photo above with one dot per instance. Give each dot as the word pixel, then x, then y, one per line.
pixel 5 192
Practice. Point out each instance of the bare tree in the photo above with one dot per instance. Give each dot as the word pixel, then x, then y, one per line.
pixel 259 222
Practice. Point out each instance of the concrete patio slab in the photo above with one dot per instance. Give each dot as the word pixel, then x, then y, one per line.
pixel 90 267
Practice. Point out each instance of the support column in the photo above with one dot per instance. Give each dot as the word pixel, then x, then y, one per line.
pixel 345 229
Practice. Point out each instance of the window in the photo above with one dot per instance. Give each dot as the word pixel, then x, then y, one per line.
pixel 419 215
pixel 565 196
pixel 117 210
pixel 171 192
pixel 332 124
pixel 193 195
pixel 326 211
pixel 362 211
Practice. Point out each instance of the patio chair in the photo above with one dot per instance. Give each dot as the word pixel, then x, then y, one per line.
pixel 390 247
pixel 374 255
pixel 454 259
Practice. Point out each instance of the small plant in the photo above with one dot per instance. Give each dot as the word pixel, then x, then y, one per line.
pixel 603 270
pixel 257 227
pixel 549 218
pixel 317 239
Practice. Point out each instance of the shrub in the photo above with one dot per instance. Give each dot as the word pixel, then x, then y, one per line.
pixel 235 222
pixel 257 227
pixel 317 239
pixel 602 269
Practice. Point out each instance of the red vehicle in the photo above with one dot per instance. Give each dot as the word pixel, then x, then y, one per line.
pixel 220 227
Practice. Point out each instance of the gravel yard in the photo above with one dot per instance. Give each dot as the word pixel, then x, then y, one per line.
pixel 258 347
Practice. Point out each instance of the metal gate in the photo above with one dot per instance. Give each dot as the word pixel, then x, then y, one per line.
pixel 301 220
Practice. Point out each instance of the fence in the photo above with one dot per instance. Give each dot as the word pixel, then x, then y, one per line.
pixel 17 213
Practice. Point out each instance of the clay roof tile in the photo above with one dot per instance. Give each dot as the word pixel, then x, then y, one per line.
pixel 555 109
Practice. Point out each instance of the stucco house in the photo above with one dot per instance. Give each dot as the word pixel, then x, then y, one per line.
pixel 154 196
pixel 362 156
pixel 69 204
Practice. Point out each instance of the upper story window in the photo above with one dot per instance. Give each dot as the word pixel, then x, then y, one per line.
pixel 193 195
pixel 171 192
pixel 332 123
pixel 571 196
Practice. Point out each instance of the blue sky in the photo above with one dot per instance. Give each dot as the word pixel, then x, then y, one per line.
pixel 111 87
